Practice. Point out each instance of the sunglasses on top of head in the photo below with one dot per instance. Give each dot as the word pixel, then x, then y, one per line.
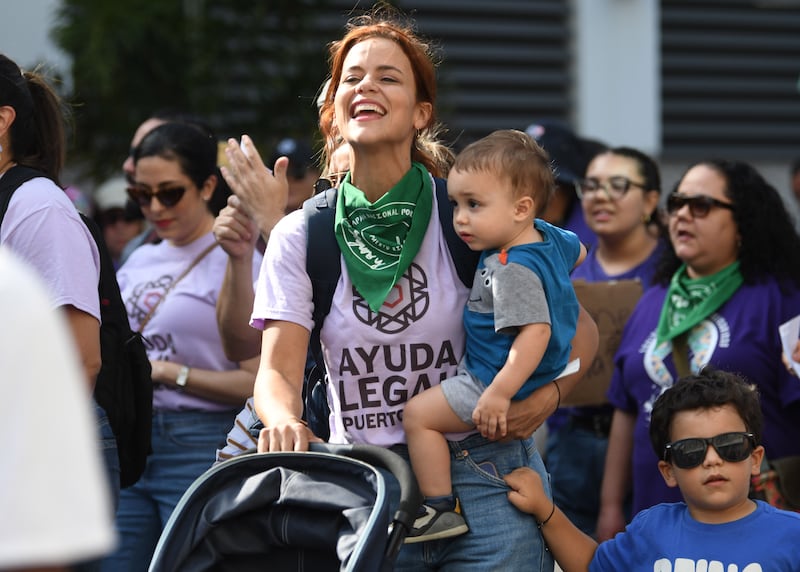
pixel 699 205
pixel 168 197
pixel 328 182
pixel 689 453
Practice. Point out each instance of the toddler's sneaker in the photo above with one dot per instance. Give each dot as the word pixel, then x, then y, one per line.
pixel 433 524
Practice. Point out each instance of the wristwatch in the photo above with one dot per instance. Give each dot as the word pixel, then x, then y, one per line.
pixel 183 376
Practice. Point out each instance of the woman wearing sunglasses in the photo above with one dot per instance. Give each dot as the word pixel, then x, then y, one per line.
pixel 619 197
pixel 730 277
pixel 170 290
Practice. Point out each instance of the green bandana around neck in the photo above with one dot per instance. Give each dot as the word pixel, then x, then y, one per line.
pixel 689 301
pixel 379 240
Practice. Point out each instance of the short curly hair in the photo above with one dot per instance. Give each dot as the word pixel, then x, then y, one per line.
pixel 707 389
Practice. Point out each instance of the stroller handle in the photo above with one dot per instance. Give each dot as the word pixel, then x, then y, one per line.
pixel 410 495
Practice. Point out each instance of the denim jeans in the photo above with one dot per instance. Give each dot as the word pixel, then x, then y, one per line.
pixel 108 448
pixel 576 459
pixel 108 444
pixel 184 444
pixel 500 537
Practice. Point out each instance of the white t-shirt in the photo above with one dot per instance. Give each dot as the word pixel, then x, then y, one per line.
pixel 42 227
pixel 53 491
pixel 375 361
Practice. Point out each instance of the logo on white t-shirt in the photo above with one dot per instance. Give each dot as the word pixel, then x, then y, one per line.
pixel 407 303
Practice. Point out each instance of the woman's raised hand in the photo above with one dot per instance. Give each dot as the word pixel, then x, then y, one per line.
pixel 263 193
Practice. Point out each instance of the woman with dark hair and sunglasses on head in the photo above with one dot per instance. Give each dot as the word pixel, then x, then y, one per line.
pixel 729 278
pixel 170 290
pixel 619 196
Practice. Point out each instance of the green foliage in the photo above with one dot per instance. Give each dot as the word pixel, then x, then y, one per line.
pixel 245 66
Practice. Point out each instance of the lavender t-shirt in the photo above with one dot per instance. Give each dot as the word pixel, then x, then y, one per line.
pixel 376 361
pixel 43 228
pixel 183 328
pixel 742 337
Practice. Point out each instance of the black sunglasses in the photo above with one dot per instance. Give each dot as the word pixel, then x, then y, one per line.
pixel 328 182
pixel 615 187
pixel 321 185
pixel 690 453
pixel 699 205
pixel 168 197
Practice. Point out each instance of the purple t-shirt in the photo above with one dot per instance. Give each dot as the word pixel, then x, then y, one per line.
pixel 591 271
pixel 742 337
pixel 577 224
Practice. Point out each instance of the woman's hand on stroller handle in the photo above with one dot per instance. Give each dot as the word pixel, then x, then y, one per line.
pixel 290 435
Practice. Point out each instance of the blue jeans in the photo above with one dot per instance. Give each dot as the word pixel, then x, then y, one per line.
pixel 576 460
pixel 500 536
pixel 108 449
pixel 108 444
pixel 184 444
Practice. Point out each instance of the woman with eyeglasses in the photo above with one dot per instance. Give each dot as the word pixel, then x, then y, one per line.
pixel 170 290
pixel 619 197
pixel 729 278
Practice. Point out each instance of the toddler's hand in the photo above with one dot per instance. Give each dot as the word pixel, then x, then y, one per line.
pixel 490 413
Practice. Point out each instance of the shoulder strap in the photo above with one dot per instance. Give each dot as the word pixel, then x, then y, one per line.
pixel 680 354
pixel 464 259
pixel 322 257
pixel 174 283
pixel 11 181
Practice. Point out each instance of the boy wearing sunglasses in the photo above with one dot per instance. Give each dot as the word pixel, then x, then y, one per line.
pixel 706 430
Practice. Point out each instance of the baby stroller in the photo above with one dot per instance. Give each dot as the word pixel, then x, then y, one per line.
pixel 325 509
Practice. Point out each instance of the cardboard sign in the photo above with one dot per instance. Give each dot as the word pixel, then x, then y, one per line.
pixel 610 305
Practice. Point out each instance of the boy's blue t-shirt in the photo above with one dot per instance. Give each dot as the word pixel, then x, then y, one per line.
pixel 666 537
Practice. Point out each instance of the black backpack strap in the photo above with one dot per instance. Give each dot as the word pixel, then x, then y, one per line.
pixel 322 257
pixel 465 259
pixel 11 181
pixel 323 268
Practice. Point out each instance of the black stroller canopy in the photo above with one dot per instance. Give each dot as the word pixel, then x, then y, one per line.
pixel 290 511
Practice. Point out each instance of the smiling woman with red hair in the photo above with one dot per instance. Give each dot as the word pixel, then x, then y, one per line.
pixel 395 326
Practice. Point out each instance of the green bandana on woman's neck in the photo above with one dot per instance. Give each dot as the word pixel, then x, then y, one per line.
pixel 379 240
pixel 690 301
